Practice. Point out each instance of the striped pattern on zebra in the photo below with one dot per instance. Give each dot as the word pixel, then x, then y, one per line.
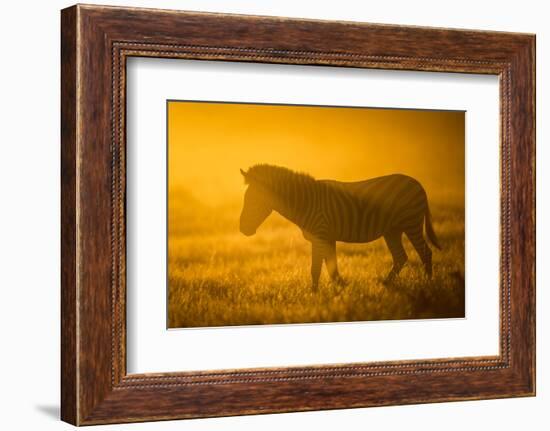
pixel 328 211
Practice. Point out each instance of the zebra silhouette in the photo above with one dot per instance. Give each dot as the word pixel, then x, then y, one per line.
pixel 328 211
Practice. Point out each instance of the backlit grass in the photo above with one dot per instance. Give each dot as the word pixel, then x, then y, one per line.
pixel 219 277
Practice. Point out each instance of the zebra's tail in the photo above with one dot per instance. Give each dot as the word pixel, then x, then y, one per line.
pixel 429 228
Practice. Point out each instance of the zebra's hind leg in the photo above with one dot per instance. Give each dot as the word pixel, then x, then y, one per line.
pixel 399 255
pixel 416 237
pixel 332 264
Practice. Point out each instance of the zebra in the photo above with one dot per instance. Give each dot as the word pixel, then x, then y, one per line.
pixel 355 212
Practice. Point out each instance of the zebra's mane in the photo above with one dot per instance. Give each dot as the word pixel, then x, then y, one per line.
pixel 275 176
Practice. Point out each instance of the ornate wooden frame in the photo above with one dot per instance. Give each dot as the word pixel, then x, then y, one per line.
pixel 95 43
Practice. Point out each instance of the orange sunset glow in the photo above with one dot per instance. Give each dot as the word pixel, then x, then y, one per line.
pixel 209 142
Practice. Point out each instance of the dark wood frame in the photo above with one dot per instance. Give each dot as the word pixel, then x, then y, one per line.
pixel 95 43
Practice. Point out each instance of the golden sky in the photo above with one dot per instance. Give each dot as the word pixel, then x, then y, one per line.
pixel 209 142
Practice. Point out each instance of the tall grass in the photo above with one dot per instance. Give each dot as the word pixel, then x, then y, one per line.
pixel 218 277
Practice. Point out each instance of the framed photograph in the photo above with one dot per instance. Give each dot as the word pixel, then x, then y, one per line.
pixel 218 277
pixel 264 214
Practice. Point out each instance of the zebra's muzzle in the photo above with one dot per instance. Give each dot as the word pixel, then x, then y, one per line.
pixel 247 231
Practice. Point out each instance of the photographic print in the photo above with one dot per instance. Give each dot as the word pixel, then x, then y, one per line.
pixel 287 214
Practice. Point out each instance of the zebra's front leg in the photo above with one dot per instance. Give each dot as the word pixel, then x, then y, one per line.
pixel 332 264
pixel 317 255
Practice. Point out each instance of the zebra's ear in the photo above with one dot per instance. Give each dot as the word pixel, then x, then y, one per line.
pixel 244 174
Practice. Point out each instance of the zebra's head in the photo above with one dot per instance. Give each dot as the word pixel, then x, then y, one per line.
pixel 257 205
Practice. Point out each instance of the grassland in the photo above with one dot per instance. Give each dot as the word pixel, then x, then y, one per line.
pixel 219 277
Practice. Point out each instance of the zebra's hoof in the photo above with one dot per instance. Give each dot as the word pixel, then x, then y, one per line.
pixel 390 279
pixel 340 282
